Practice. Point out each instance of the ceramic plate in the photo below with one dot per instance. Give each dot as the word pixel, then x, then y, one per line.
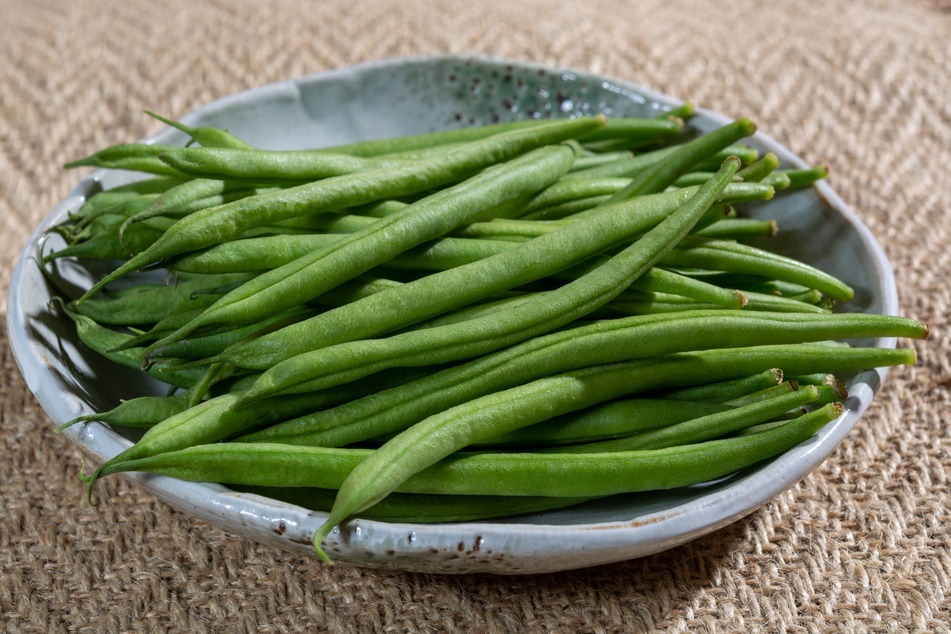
pixel 405 96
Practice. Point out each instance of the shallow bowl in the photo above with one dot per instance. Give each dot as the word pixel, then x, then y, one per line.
pixel 405 96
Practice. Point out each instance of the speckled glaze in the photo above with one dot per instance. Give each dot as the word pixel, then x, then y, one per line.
pixel 405 96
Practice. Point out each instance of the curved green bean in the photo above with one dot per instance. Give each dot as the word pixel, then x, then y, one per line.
pixel 214 225
pixel 702 428
pixel 604 342
pixel 528 319
pixel 354 254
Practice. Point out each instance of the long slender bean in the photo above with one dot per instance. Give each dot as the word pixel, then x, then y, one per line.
pixel 593 475
pixel 702 428
pixel 139 157
pixel 530 474
pixel 478 336
pixel 392 410
pixel 264 166
pixel 206 136
pixel 667 170
pixel 421 508
pixel 740 258
pixel 616 419
pixel 354 254
pixel 214 225
pixel 433 294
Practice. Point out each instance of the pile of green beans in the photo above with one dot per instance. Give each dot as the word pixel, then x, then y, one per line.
pixel 463 324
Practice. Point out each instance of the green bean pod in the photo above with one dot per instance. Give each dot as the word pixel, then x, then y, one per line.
pixel 215 225
pixel 616 419
pixel 110 344
pixel 666 171
pixel 740 258
pixel 724 391
pixel 141 412
pixel 421 508
pixel 263 166
pixel 702 428
pixel 602 342
pixel 207 136
pixel 591 475
pixel 149 303
pixel 354 254
pixel 478 336
pixel 138 157
pixel 542 256
pixel 632 126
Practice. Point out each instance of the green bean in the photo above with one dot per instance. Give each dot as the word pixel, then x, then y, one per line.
pixel 635 129
pixel 264 166
pixel 205 135
pixel 505 229
pixel 164 325
pixel 752 301
pixel 702 428
pixel 98 223
pixel 267 252
pixel 593 159
pixel 122 193
pixel 805 177
pixel 747 155
pixel 474 311
pixel 138 157
pixel 694 178
pixel 148 303
pixel 734 193
pixel 214 225
pixel 355 253
pixel 478 336
pixel 378 209
pixel 511 267
pixel 628 168
pixel 819 379
pixel 615 419
pixel 213 419
pixel 529 474
pixel 212 344
pixel 658 280
pixel 723 391
pixel 601 342
pixel 192 196
pixel 378 147
pixel 750 282
pixel 421 508
pixel 567 209
pixel 683 111
pixel 739 229
pixel 760 169
pixel 87 225
pixel 109 344
pixel 141 412
pixel 767 393
pixel 106 245
pixel 667 170
pixel 740 258
pixel 778 180
pixel 209 345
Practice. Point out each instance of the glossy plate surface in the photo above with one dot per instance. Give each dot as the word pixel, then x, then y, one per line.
pixel 406 96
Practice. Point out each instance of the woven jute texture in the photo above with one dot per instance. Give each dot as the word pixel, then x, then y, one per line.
pixel 861 544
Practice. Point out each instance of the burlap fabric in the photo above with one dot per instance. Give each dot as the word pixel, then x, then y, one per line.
pixel 862 544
